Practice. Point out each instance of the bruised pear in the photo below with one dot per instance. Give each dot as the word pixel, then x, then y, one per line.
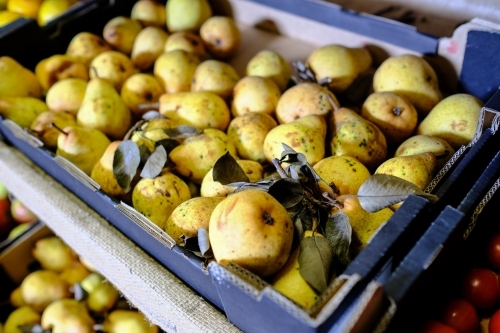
pixel 212 188
pixel 221 36
pixel 272 65
pixel 141 89
pixel 187 41
pixel 175 70
pixel 59 67
pixel 215 76
pixel 255 94
pixel 85 46
pixel 112 66
pixel 120 32
pixel 53 254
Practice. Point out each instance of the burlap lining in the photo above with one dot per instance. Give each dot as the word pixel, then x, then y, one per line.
pixel 150 287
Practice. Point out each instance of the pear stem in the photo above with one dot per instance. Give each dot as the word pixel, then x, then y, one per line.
pixel 333 103
pixel 149 106
pixel 57 128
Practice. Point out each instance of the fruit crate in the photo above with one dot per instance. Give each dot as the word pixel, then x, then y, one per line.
pixel 299 23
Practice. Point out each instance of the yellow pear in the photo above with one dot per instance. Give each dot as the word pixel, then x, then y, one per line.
pixel 42 287
pixel 59 67
pixel 120 32
pixel 67 315
pixel 355 136
pixel 221 36
pixel 149 13
pixel 76 272
pixel 148 46
pixel 27 8
pixel 187 15
pixel 112 66
pixel 272 65
pixel 212 188
pixel 190 216
pixel 187 41
pixel 305 135
pixel 151 132
pixel 305 99
pixel 198 154
pixel 454 120
pixel 53 254
pixel 175 70
pixel 248 132
pixel 85 262
pixel 344 174
pixel 91 281
pixel 16 297
pixel 157 198
pixel 51 9
pixel 201 109
pixel 103 297
pixel 255 94
pixel 43 129
pixel 339 63
pixel 103 109
pixel 215 76
pixel 85 46
pixel 7 17
pixel 253 230
pixel 141 89
pixel 22 110
pixel 24 315
pixel 410 76
pixel 17 81
pixel 422 144
pixel 66 95
pixel 120 321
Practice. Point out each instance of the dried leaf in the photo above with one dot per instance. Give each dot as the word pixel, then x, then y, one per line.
pixel 181 132
pixel 134 128
pixel 339 232
pixel 126 160
pixel 262 185
pixel 303 72
pixel 289 192
pixel 315 259
pixel 204 243
pixel 380 191
pixel 227 170
pixel 155 163
pixel 152 115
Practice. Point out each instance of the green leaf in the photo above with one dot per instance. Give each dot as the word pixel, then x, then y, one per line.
pixel 126 160
pixel 155 163
pixel 204 242
pixel 227 170
pixel 315 259
pixel 144 152
pixel 168 144
pixel 181 132
pixel 291 156
pixel 289 192
pixel 380 191
pixel 339 232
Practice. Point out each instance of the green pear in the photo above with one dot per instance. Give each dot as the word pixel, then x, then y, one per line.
pixel 427 144
pixel 120 321
pixel 120 32
pixel 272 65
pixel 43 129
pixel 82 146
pixel 90 283
pixel 21 110
pixel 255 94
pixel 175 70
pixel 355 136
pixel 104 110
pixel 17 81
pixel 201 109
pixel 148 46
pixel 157 198
pixel 339 63
pixel 454 120
pixel 149 13
pixel 67 315
pixel 187 41
pixel 215 76
pixel 85 46
pixel 53 254
pixel 141 89
pixel 305 135
pixel 66 95
pixel 187 15
pixel 410 76
pixel 42 287
pixel 221 36
pixel 112 66
pixel 21 316
pixel 103 297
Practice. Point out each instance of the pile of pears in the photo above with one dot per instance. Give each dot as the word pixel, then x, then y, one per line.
pixel 175 59
pixel 67 294
pixel 43 11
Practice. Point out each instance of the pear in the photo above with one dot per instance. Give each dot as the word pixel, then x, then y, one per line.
pixel 103 297
pixel 148 46
pixel 255 94
pixel 355 136
pixel 149 13
pixel 344 174
pixel 151 132
pixel 91 281
pixel 42 287
pixel 24 315
pixel 305 99
pixel 221 36
pixel 66 95
pixel 43 129
pixel 248 132
pixel 305 135
pixel 423 143
pixel 113 66
pixel 104 110
pixel 67 315
pixel 196 155
pixel 187 15
pixel 187 41
pixel 141 89
pixel 272 65
pixel 120 321
pixel 212 188
pixel 158 197
pixel 190 216
pixel 7 17
pixel 175 70
pixel 59 67
pixel 82 146
pixel 17 81
pixel 85 46
pixel 53 254
pixel 85 262
pixel 76 272
pixel 120 32
pixel 21 110
pixel 454 120
pixel 202 109
pixel 410 76
pixel 339 63
pixel 51 9
pixel 215 76
pixel 16 296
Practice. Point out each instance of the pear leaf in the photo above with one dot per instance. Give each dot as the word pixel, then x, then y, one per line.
pixel 181 132
pixel 135 127
pixel 297 224
pixel 204 243
pixel 303 72
pixel 315 259
pixel 155 163
pixel 288 191
pixel 144 152
pixel 126 160
pixel 33 328
pixel 168 144
pixel 227 170
pixel 261 185
pixel 291 156
pixel 339 232
pixel 152 115
pixel 380 191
